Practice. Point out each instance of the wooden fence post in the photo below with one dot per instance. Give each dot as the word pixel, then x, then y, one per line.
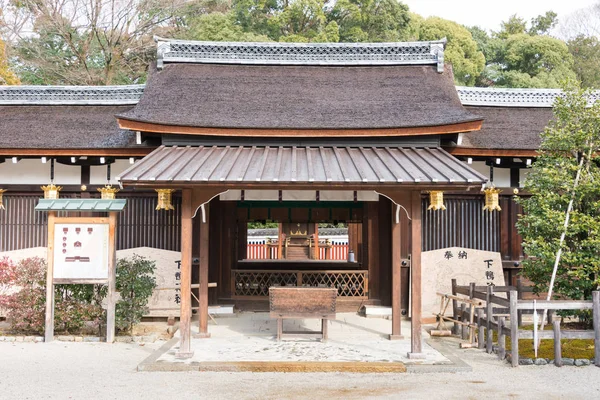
pixel 520 292
pixel 514 329
pixel 557 344
pixel 454 308
pixel 501 339
pixel 480 332
pixel 463 330
pixel 489 316
pixel 596 316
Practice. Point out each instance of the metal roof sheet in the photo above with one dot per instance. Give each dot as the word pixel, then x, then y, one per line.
pixel 81 205
pixel 294 165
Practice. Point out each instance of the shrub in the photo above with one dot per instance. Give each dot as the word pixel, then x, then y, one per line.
pixel 135 283
pixel 26 301
pixel 26 305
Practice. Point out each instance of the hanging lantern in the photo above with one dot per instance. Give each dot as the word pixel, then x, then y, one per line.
pixel 436 200
pixel 491 199
pixel 108 192
pixel 1 204
pixel 164 199
pixel 51 191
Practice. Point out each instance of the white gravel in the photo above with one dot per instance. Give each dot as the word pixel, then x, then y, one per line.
pixel 61 370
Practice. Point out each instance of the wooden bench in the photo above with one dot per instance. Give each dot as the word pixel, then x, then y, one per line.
pixel 302 303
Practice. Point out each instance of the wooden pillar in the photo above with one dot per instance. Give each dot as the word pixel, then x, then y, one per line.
pixel 415 275
pixel 396 278
pixel 204 261
pixel 186 275
pixel 49 329
pixel 112 265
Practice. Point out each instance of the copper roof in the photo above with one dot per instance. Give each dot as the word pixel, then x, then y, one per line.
pixel 232 166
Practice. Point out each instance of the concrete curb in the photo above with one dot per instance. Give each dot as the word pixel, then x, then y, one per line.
pixel 456 364
pixel 150 364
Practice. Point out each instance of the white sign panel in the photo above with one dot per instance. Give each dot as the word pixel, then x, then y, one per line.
pixel 80 251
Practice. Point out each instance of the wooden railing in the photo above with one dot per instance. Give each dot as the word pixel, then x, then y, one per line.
pixel 268 250
pixel 490 318
pixel 253 284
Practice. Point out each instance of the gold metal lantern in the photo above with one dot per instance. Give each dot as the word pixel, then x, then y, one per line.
pixel 436 200
pixel 491 199
pixel 108 192
pixel 51 191
pixel 164 199
pixel 2 204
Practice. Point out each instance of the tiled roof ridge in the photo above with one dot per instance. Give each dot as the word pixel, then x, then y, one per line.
pixel 322 54
pixel 512 97
pixel 71 95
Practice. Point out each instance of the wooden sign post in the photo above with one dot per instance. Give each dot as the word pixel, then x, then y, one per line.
pixel 81 250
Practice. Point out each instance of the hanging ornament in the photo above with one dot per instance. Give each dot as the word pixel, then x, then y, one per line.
pixel 2 205
pixel 491 199
pixel 164 199
pixel 51 191
pixel 108 192
pixel 436 200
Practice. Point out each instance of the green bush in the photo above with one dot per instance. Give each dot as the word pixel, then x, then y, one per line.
pixel 135 283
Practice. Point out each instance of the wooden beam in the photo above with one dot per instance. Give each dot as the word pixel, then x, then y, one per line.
pixel 380 187
pixel 475 152
pixel 415 275
pixel 186 276
pixel 256 132
pixel 118 152
pixel 112 264
pixel 396 278
pixel 49 327
pixel 203 290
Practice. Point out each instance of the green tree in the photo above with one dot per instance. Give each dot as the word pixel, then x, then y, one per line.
pixel 514 26
pixel 371 20
pixel 542 24
pixel 135 282
pixel 586 60
pixel 567 170
pixel 218 27
pixel 461 50
pixel 7 77
pixel 523 60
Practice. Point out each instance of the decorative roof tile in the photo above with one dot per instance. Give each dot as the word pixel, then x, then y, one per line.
pixel 475 96
pixel 71 95
pixel 273 53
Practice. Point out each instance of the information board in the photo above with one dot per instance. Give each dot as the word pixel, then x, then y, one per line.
pixel 81 251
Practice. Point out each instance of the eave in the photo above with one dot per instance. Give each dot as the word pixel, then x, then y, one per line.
pixel 377 132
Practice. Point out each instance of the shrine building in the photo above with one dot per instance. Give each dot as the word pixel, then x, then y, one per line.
pixel 364 135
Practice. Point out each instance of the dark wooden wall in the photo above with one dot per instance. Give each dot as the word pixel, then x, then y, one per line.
pixel 139 225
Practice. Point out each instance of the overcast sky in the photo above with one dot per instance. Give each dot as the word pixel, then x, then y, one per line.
pixel 488 14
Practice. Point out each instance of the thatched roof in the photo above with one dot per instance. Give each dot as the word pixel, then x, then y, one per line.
pixel 508 127
pixel 64 127
pixel 300 97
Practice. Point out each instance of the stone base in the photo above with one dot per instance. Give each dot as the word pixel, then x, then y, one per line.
pixel 416 356
pixel 201 335
pixel 183 355
pixel 396 337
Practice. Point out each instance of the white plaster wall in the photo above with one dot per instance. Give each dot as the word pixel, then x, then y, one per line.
pixel 501 175
pixel 98 172
pixel 34 172
pixel 300 195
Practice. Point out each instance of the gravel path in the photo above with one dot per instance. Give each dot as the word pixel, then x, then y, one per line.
pixel 61 370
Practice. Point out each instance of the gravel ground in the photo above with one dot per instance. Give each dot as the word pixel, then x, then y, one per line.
pixel 61 370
